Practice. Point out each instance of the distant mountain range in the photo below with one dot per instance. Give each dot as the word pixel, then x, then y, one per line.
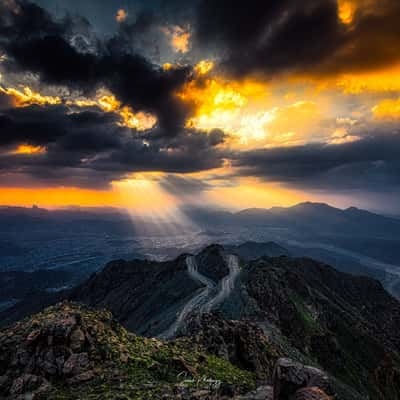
pixel 306 310
pixel 318 218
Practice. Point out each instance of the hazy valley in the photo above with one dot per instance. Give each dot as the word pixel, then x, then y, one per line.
pixel 259 302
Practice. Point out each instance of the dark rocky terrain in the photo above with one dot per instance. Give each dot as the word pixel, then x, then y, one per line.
pixel 72 352
pixel 252 313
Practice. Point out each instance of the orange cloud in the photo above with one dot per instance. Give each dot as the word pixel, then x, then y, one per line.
pixel 346 11
pixel 121 15
pixel 388 109
pixel 179 38
pixel 141 121
pixel 246 111
pixel 384 80
pixel 341 136
pixel 28 149
pixel 218 103
pixel 204 67
pixel 109 103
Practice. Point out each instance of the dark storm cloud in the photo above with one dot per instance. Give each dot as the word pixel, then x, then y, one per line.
pixel 5 101
pixel 370 163
pixel 86 147
pixel 35 42
pixel 288 35
pixel 89 149
pixel 183 186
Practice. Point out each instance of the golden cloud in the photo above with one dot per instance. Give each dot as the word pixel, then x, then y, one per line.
pixel 388 109
pixel 28 149
pixel 385 80
pixel 27 97
pixel 140 121
pixel 204 67
pixel 179 38
pixel 346 11
pixel 246 112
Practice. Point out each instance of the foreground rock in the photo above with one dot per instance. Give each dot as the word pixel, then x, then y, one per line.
pixel 72 352
pixel 240 342
pixel 293 380
pixel 311 393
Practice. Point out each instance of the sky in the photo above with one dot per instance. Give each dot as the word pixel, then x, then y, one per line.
pixel 151 105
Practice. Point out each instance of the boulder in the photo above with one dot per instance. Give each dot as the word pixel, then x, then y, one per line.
pixel 76 364
pixel 261 393
pixel 77 339
pixel 311 393
pixel 27 383
pixel 290 376
pixel 242 343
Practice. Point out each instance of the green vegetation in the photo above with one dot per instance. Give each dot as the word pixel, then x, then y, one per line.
pixel 309 321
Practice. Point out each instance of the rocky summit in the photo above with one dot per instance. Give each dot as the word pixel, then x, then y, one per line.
pixel 209 325
pixel 72 352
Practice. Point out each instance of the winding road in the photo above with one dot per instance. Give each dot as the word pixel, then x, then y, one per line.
pixel 227 284
pixel 206 298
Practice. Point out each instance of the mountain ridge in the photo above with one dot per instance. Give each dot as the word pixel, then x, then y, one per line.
pixel 307 310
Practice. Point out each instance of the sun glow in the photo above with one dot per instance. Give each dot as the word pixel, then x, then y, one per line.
pixel 133 194
pixel 250 192
pixel 248 112
pixel 225 105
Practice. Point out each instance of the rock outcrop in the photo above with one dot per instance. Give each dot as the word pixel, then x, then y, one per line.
pixel 72 352
pixel 293 380
pixel 241 342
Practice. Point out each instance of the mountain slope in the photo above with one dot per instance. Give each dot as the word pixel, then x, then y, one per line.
pixel 143 295
pixel 310 312
pixel 148 297
pixel 304 306
pixel 349 325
